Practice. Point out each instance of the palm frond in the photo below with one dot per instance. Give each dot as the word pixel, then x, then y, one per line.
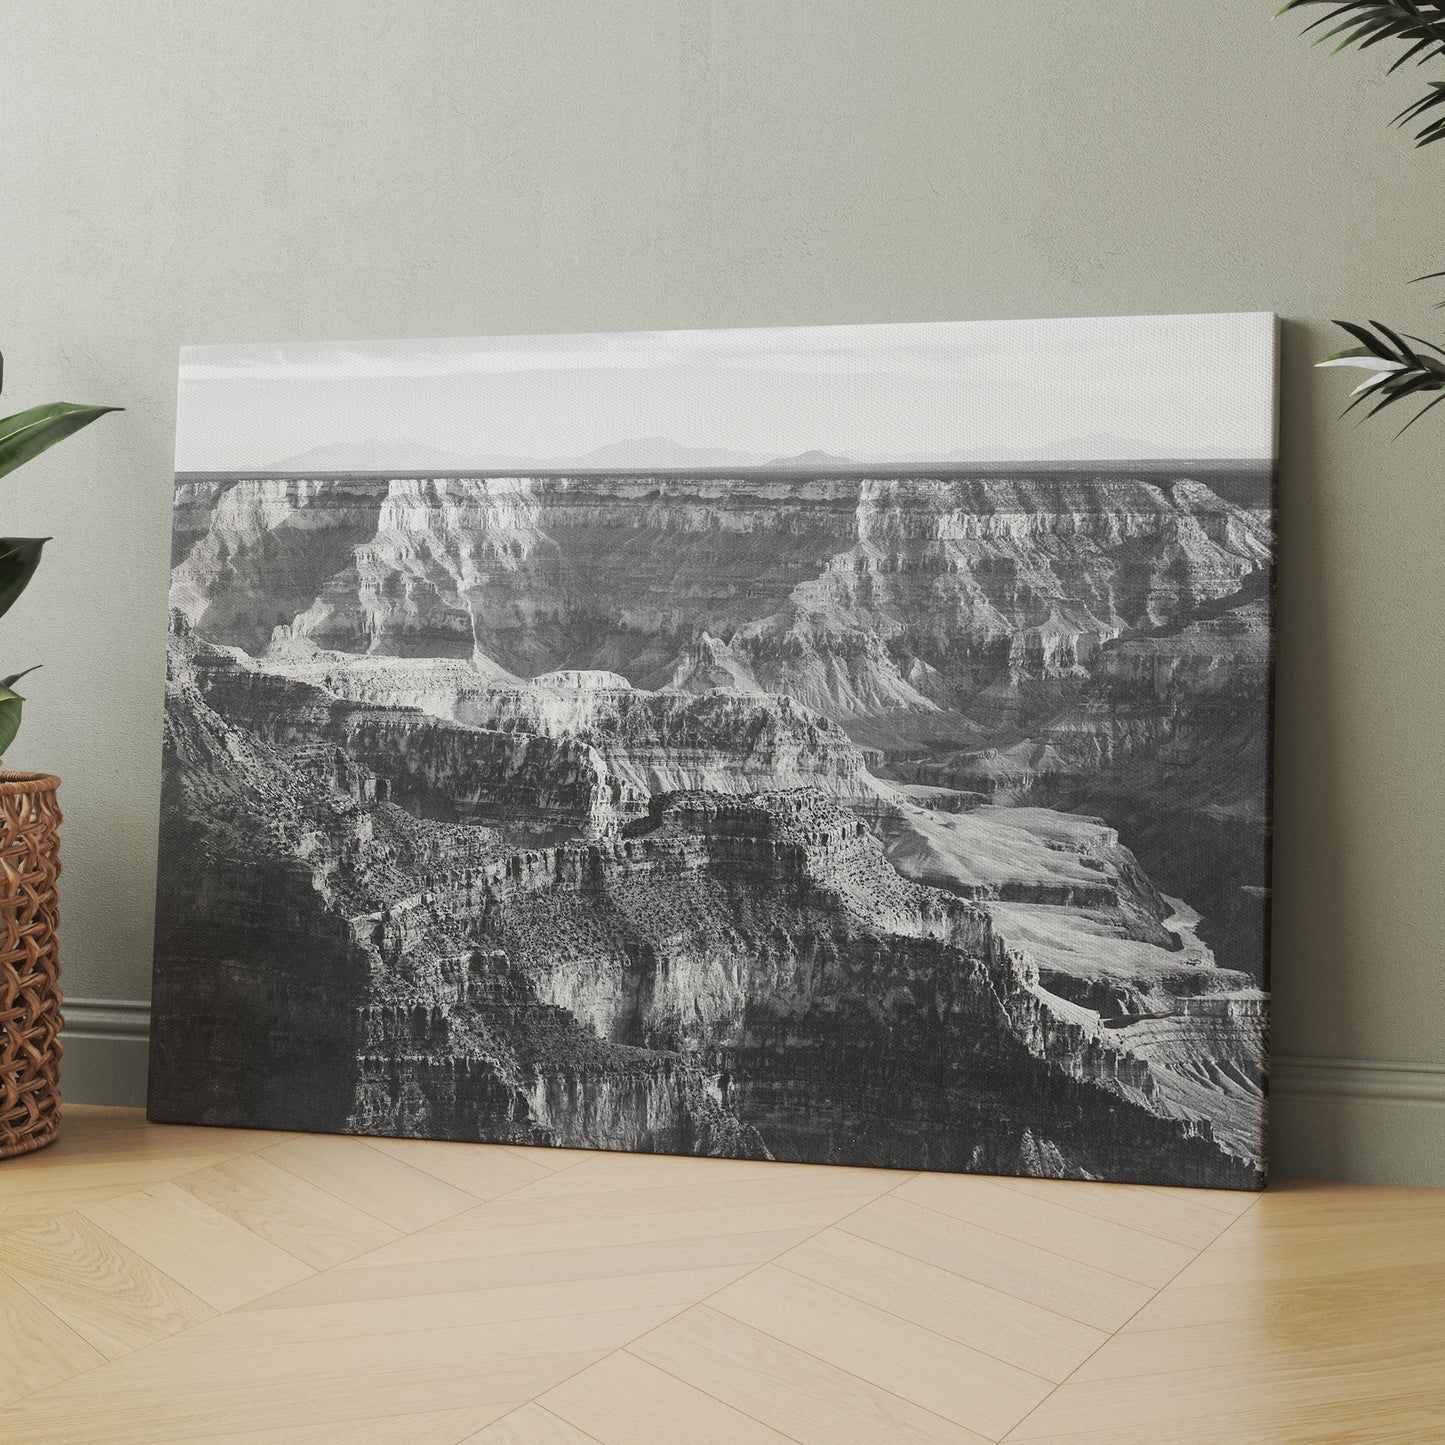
pixel 1398 370
pixel 1418 24
pixel 1429 276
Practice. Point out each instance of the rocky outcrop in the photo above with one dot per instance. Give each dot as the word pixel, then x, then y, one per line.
pixel 952 576
pixel 447 743
pixel 316 967
pixel 768 940
pixel 728 974
pixel 1025 855
pixel 433 767
pixel 724 740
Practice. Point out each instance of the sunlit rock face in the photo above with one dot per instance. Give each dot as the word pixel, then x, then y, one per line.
pixel 909 821
pixel 770 582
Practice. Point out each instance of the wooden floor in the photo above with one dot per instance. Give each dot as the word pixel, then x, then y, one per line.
pixel 161 1283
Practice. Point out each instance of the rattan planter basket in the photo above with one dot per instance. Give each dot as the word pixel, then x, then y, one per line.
pixel 29 962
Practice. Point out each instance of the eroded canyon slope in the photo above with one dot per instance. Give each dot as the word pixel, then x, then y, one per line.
pixel 910 821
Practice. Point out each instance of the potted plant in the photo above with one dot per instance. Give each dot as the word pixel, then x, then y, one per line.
pixel 1401 365
pixel 29 846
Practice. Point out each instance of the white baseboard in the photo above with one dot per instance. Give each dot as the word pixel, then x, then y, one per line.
pixel 1361 1119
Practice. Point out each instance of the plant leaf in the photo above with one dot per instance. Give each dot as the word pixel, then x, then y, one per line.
pixel 1418 24
pixel 1420 341
pixel 19 557
pixel 28 433
pixel 1372 345
pixel 1418 415
pixel 1358 356
pixel 10 705
pixel 1398 371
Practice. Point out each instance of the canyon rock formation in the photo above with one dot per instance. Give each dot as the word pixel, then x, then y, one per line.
pixel 912 821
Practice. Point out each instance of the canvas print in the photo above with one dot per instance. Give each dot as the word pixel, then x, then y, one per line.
pixel 842 744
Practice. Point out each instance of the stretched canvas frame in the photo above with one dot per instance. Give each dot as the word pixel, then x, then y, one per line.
pixel 843 744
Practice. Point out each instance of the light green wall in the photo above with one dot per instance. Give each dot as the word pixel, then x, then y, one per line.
pixel 236 170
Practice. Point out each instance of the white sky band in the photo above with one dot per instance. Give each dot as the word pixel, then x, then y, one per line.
pixel 1162 386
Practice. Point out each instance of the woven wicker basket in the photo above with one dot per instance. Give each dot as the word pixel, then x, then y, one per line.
pixel 29 963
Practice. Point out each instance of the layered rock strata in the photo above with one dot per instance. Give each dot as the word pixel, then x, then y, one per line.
pixel 867 820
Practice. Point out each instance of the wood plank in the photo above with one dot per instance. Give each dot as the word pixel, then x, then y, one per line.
pixel 622 1400
pixel 549 1311
pixel 1155 1211
pixel 1077 1291
pixel 1323 1346
pixel 1228 1201
pixel 1292 1206
pixel 1322 1201
pixel 1402 1292
pixel 62 1190
pixel 106 1293
pixel 547 1157
pixel 795 1393
pixel 482 1170
pixel 95 1134
pixel 1088 1238
pixel 388 1190
pixel 10 1222
pixel 205 1361
pixel 961 1384
pixel 208 1253
pixel 515 1267
pixel 1409 1419
pixel 847 1188
pixel 1264 1403
pixel 1251 1254
pixel 145 1409
pixel 1285 1329
pixel 480 1235
pixel 434 1427
pixel 37 1347
pixel 669 1292
pixel 1013 1330
pixel 530 1425
pixel 315 1227
pixel 604 1173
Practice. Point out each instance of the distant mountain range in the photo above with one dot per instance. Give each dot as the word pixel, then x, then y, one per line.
pixel 640 454
pixel 376 455
pixel 662 454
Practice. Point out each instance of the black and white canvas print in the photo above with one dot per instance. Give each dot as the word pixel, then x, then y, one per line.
pixel 843 744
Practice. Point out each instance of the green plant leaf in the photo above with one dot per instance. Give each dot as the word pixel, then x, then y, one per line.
pixel 1419 414
pixel 19 557
pixel 11 704
pixel 1418 24
pixel 28 433
pixel 1399 371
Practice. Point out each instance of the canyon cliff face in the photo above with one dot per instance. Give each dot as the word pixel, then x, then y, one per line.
pixel 909 821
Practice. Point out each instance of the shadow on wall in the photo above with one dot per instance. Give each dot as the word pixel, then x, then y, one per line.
pixel 1316 889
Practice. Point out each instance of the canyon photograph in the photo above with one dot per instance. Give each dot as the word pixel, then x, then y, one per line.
pixel 847 745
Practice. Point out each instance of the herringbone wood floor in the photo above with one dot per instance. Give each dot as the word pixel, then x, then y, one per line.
pixel 164 1284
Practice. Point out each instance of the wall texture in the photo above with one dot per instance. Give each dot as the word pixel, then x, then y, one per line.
pixel 233 170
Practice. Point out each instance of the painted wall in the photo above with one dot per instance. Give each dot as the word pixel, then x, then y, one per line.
pixel 232 170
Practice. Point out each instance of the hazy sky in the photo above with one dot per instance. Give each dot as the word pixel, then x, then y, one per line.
pixel 1178 386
